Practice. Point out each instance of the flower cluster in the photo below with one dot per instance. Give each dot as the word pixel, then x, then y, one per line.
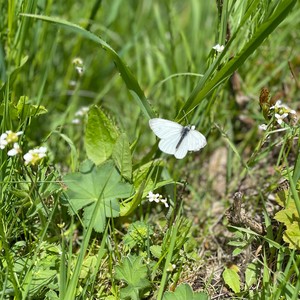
pixel 157 198
pixel 10 139
pixel 32 157
pixel 79 115
pixel 219 48
pixel 282 113
pixel 78 63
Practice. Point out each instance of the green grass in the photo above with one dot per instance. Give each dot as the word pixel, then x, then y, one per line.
pixel 77 223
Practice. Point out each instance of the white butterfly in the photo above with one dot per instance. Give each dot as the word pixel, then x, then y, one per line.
pixel 175 138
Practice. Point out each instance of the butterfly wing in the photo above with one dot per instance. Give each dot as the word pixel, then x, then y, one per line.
pixel 195 140
pixel 182 150
pixel 169 132
pixel 165 128
pixel 168 145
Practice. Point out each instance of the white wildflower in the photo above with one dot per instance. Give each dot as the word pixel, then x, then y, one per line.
pixel 153 197
pixel 281 107
pixel 79 70
pixel 279 118
pixel 82 111
pixel 15 150
pixel 35 155
pixel 263 127
pixel 3 141
pixel 219 48
pixel 9 137
pixel 277 105
pixel 78 63
pixel 80 114
pixel 164 201
pixel 157 198
pixel 12 137
pixel 76 121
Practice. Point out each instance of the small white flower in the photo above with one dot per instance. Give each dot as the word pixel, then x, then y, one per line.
pixel 3 141
pixel 82 111
pixel 12 136
pixel 279 118
pixel 80 114
pixel 263 127
pixel 35 155
pixel 15 150
pixel 281 106
pixel 219 48
pixel 76 121
pixel 77 61
pixel 153 197
pixel 9 137
pixel 157 198
pixel 164 201
pixel 79 70
pixel 277 105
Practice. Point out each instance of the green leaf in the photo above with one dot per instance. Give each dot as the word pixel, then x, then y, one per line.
pixel 138 233
pixel 134 273
pixel 25 109
pixel 143 176
pixel 185 292
pixel 156 250
pixel 232 279
pixel 251 274
pixel 88 266
pixel 96 183
pixel 122 156
pixel 100 136
pixel 292 235
pixel 290 218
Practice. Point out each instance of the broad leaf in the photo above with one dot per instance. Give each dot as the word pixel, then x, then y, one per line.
pixel 292 235
pixel 100 136
pixel 122 156
pixel 290 218
pixel 96 183
pixel 156 250
pixel 232 279
pixel 251 274
pixel 134 273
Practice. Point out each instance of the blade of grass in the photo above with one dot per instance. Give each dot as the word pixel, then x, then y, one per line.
pixel 168 261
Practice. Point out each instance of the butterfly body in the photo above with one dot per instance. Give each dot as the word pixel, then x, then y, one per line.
pixel 175 138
